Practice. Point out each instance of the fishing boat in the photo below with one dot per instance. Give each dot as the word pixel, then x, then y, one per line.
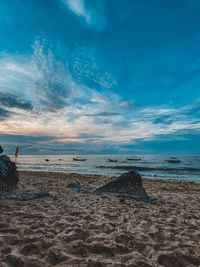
pixel 112 160
pixel 79 159
pixel 173 160
pixel 135 159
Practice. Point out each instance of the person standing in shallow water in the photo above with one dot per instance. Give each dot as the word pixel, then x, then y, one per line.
pixel 1 149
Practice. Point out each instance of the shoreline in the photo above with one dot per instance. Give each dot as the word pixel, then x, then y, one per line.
pixel 151 178
pixel 76 229
pixel 148 166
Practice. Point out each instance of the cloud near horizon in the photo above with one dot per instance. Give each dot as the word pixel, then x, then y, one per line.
pixel 51 103
pixel 91 78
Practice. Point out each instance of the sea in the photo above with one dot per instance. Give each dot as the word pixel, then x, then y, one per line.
pixel 149 166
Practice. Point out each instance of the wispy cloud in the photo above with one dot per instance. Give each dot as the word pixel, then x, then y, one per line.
pixel 104 114
pixel 93 14
pixel 78 7
pixel 53 83
pixel 46 97
pixel 87 66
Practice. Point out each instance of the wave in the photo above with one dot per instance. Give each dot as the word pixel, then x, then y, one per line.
pixel 37 164
pixel 140 168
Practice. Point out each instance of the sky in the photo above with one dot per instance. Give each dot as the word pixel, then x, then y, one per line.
pixel 100 77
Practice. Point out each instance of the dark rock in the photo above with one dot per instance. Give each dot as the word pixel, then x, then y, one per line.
pixel 78 188
pixel 103 196
pixel 9 176
pixel 27 196
pixel 1 149
pixel 129 184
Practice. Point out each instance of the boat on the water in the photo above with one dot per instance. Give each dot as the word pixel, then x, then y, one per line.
pixel 112 160
pixel 135 159
pixel 79 159
pixel 173 160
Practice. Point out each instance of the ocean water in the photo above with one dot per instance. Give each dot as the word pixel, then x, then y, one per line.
pixel 148 166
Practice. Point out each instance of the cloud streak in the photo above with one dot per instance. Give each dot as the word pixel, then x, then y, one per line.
pixel 13 101
pixel 87 67
pixel 3 114
pixel 53 82
pixel 48 98
pixel 92 15
pixel 78 7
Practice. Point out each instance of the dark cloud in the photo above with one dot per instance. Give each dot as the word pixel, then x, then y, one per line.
pixel 3 113
pixel 27 144
pixel 103 114
pixel 47 145
pixel 25 139
pixel 90 136
pixel 13 101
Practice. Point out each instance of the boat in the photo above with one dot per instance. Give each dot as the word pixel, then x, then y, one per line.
pixel 135 159
pixel 112 160
pixel 173 160
pixel 79 159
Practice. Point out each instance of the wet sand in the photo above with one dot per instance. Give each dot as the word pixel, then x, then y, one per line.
pixel 73 229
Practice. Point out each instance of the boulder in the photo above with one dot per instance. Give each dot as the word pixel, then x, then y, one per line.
pixel 128 184
pixel 8 175
pixel 1 149
pixel 27 195
pixel 79 189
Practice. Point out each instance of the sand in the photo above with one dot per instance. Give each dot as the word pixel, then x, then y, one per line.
pixel 73 229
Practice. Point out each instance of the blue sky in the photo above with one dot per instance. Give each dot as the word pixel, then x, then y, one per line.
pixel 104 76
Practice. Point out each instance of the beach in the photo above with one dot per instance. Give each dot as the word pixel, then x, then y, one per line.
pixel 76 229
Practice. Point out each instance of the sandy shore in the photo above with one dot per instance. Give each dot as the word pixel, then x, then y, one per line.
pixel 72 229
